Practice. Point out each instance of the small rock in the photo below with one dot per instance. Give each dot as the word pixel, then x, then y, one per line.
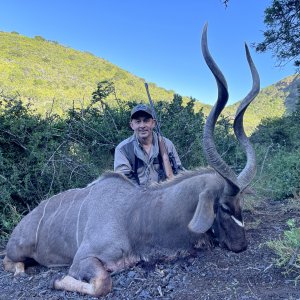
pixel 145 294
pixel 131 274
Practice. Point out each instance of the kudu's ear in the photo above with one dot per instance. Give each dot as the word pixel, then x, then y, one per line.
pixel 204 214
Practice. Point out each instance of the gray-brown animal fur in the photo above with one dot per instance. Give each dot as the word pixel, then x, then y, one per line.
pixel 112 224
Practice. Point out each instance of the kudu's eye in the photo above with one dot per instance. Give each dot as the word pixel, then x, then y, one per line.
pixel 225 208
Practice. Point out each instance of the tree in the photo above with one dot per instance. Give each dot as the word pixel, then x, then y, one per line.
pixel 282 36
pixel 225 2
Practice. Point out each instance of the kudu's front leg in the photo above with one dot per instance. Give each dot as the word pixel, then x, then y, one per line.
pixel 98 283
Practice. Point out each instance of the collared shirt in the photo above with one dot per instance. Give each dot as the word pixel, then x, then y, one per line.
pixel 149 170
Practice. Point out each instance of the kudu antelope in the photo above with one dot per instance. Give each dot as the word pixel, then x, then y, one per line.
pixel 111 224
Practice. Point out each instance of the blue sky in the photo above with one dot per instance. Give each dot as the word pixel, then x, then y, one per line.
pixel 157 40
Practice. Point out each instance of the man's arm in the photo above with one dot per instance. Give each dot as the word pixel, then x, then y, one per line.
pixel 122 165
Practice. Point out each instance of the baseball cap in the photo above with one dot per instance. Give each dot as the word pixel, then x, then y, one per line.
pixel 141 108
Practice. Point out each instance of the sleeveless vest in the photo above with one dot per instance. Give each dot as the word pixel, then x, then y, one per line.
pixel 137 163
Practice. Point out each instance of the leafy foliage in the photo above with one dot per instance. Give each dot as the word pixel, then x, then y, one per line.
pixel 287 250
pixel 184 128
pixel 278 148
pixel 282 19
pixel 279 176
pixel 42 156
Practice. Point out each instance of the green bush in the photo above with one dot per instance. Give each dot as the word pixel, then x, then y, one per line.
pixel 279 173
pixel 287 250
pixel 278 151
pixel 43 156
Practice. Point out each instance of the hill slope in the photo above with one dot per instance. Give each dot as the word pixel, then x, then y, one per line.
pixel 272 101
pixel 45 71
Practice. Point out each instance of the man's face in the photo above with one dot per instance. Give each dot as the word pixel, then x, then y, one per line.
pixel 143 125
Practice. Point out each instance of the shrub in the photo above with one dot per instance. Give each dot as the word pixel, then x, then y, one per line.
pixel 287 250
pixel 279 173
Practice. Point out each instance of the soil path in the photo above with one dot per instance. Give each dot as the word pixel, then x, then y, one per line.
pixel 212 274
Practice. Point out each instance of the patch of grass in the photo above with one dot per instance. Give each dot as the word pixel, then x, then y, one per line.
pixel 292 205
pixel 288 250
pixel 251 202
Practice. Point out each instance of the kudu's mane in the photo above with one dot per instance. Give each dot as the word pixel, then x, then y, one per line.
pixel 156 186
pixel 182 177
pixel 111 174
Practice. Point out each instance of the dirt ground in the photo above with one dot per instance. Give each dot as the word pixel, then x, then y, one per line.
pixel 211 274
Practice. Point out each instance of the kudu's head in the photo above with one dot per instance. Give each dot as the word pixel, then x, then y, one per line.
pixel 228 223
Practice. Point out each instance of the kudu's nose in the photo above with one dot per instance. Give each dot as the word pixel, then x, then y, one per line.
pixel 235 247
pixel 240 247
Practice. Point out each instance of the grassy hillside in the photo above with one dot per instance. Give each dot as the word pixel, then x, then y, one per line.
pixel 45 71
pixel 49 73
pixel 272 101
